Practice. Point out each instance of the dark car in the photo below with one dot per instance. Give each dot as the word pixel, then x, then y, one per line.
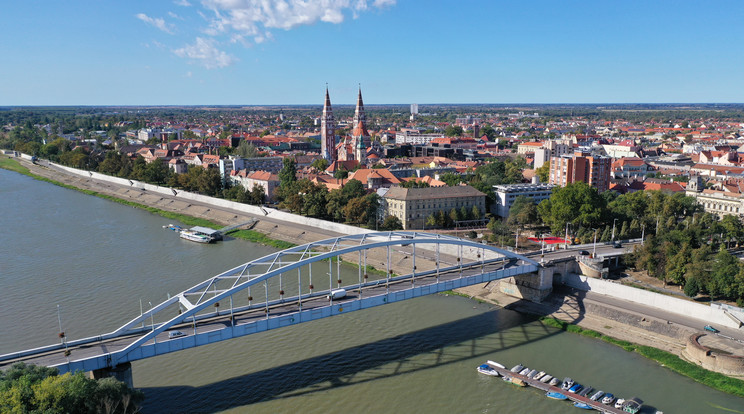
pixel 583 252
pixel 617 245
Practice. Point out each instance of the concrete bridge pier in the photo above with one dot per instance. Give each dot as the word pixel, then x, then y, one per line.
pixel 122 372
pixel 534 288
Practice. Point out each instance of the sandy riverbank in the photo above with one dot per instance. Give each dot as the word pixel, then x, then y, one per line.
pixel 620 324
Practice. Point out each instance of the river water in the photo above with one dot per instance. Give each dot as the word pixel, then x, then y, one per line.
pixel 99 260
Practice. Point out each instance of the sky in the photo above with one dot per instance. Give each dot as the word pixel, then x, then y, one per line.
pixel 284 52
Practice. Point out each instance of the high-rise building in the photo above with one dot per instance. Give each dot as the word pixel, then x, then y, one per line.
pixel 581 167
pixel 414 109
pixel 328 130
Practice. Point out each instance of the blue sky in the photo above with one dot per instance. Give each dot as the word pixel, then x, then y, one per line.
pixel 233 52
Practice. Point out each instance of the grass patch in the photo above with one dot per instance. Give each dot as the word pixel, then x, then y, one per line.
pixel 712 379
pixel 13 165
pixel 257 237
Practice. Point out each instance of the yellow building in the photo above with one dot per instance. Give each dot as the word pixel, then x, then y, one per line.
pixel 413 205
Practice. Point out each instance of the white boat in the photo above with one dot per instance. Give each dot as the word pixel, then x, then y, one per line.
pixel 567 383
pixel 554 381
pixel 195 236
pixel 531 373
pixel 495 364
pixel 608 398
pixel 619 403
pixel 597 395
pixel 538 375
pixel 517 368
pixel 524 371
pixel 485 369
pixel 545 378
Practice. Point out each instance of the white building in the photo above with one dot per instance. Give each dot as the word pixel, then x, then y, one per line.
pixel 507 193
pixel 407 137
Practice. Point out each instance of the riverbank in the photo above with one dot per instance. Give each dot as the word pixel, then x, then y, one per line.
pixel 621 325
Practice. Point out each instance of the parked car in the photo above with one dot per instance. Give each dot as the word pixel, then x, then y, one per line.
pixel 175 334
pixel 711 329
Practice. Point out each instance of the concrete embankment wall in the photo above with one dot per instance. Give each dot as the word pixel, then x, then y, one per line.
pixel 707 314
pixel 711 360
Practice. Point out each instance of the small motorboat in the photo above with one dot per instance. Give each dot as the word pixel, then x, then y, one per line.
pixel 486 369
pixel 608 398
pixel 575 388
pixel 531 373
pixel 516 381
pixel 556 395
pixel 585 406
pixel 633 405
pixel 567 383
pixel 495 364
pixel 517 368
pixel 545 378
pixel 524 371
pixel 538 375
pixel 554 381
pixel 597 395
pixel 619 403
pixel 584 391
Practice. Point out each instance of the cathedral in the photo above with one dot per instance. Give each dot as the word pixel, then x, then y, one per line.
pixel 352 147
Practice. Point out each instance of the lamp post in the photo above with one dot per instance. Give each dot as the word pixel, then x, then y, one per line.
pixel 565 245
pixel 594 252
pixel 613 230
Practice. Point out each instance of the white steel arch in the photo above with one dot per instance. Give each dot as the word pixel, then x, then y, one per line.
pixel 213 290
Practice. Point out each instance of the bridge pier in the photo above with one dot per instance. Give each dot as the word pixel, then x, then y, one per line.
pixel 122 372
pixel 535 289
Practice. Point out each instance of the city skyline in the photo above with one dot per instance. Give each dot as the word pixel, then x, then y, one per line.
pixel 247 52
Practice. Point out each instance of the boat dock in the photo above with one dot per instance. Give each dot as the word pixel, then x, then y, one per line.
pixel 549 388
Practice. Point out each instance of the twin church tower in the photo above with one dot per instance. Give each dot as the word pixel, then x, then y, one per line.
pixel 347 149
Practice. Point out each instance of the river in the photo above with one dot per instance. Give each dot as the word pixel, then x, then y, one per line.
pixel 98 260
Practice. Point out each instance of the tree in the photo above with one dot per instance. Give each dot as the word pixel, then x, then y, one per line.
pixel 543 172
pixel 522 212
pixel 247 149
pixel 287 177
pixel 320 164
pixel 453 131
pixel 392 223
pixel 451 179
pixel 576 203
pixel 413 183
pixel 464 213
pixel 475 213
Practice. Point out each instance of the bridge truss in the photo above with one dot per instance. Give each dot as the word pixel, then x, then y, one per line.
pixel 293 285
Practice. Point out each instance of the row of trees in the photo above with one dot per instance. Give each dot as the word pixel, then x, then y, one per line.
pixel 33 389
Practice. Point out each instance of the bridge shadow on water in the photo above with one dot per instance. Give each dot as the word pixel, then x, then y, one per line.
pixel 476 336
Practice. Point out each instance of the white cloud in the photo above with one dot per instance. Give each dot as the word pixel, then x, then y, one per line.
pixel 156 22
pixel 205 52
pixel 175 16
pixel 253 18
pixel 183 3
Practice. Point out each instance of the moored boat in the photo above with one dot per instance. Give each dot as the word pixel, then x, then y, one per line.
pixel 524 371
pixel 584 391
pixel 619 403
pixel 517 368
pixel 531 373
pixel 516 381
pixel 487 370
pixel 495 364
pixel 195 236
pixel 597 395
pixel 545 378
pixel 575 388
pixel 585 406
pixel 608 398
pixel 633 405
pixel 567 383
pixel 538 375
pixel 556 395
pixel 554 381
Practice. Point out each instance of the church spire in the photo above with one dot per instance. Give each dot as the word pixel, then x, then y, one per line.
pixel 359 115
pixel 327 130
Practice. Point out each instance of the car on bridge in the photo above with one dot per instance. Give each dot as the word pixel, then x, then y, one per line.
pixel 175 334
pixel 583 252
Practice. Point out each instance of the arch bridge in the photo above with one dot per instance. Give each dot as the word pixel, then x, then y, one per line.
pixel 289 287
